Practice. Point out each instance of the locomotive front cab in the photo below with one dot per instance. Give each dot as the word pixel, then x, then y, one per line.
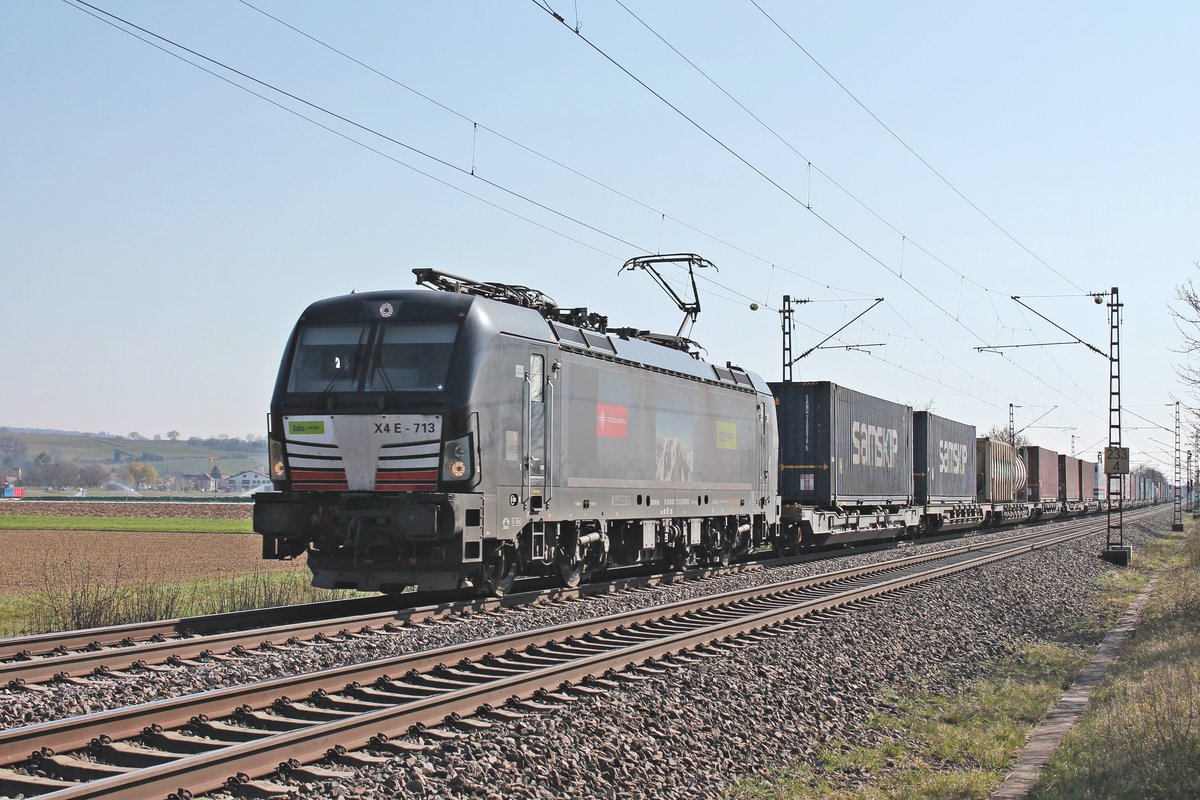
pixel 374 449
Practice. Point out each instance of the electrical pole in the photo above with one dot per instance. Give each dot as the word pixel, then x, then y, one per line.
pixel 786 320
pixel 1115 549
pixel 1012 428
pixel 1177 500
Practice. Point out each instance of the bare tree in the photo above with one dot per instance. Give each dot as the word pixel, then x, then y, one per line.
pixel 1002 433
pixel 1187 320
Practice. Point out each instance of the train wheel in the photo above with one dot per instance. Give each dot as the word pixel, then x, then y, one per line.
pixel 570 569
pixel 679 558
pixel 500 571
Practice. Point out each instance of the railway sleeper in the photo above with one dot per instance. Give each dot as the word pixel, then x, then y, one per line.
pixel 227 733
pixel 243 785
pixel 179 742
pixel 131 755
pixel 308 773
pixel 20 784
pixel 70 768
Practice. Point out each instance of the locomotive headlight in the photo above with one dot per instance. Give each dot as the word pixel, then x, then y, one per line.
pixel 456 459
pixel 278 466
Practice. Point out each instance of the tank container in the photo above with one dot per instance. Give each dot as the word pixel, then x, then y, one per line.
pixel 1000 473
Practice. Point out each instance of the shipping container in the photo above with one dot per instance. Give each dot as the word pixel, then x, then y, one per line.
pixel 1000 473
pixel 1068 479
pixel 19 491
pixel 839 447
pixel 1087 479
pixel 1041 466
pixel 943 459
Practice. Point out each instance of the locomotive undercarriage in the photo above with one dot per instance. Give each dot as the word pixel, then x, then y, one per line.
pixel 373 542
pixel 572 551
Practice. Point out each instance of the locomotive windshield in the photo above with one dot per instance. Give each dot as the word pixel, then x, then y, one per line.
pixel 372 357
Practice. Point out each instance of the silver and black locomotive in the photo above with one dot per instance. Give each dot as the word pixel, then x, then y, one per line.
pixel 462 437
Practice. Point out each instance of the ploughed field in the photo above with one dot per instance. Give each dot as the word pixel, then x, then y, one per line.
pixel 33 557
pixel 117 508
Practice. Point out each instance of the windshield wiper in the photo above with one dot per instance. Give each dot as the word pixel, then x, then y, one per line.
pixel 353 370
pixel 378 368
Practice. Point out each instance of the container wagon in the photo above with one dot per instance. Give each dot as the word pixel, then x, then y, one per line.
pixel 846 464
pixel 1041 489
pixel 1069 488
pixel 1000 478
pixel 1087 484
pixel 944 472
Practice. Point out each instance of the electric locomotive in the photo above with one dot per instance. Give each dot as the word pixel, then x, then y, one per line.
pixel 459 438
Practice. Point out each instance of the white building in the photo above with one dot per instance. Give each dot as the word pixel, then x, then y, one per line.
pixel 247 481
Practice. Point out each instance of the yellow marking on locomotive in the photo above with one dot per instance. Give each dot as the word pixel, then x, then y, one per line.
pixel 726 435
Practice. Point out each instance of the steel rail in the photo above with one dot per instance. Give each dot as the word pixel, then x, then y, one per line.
pixel 578 661
pixel 72 733
pixel 43 657
pixel 95 662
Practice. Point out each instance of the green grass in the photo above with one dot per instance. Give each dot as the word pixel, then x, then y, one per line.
pixel 1143 741
pixel 963 741
pixel 1141 735
pixel 167 524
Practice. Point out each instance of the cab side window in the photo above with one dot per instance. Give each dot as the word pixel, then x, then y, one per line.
pixel 537 377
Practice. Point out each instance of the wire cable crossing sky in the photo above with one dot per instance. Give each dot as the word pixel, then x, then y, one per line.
pixel 167 233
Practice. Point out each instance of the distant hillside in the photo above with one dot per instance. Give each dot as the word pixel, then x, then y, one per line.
pixel 183 457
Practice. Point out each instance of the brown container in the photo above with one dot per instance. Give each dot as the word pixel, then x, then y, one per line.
pixel 1087 480
pixel 1042 466
pixel 1068 479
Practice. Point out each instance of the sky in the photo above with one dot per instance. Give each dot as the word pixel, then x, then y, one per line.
pixel 161 229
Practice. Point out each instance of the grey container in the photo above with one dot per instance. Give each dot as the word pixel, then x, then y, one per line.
pixel 1068 479
pixel 1000 473
pixel 839 447
pixel 1041 466
pixel 943 459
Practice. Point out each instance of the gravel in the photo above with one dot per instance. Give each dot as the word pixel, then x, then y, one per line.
pixel 688 733
pixel 65 700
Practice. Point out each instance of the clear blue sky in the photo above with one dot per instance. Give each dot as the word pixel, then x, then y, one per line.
pixel 160 230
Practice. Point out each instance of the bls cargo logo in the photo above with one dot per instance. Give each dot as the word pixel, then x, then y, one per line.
pixel 611 421
pixel 874 446
pixel 952 457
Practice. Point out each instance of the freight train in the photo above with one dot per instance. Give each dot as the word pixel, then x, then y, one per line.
pixel 461 437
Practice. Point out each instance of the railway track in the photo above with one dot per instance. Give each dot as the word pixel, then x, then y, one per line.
pixel 202 742
pixel 78 656
pixel 81 655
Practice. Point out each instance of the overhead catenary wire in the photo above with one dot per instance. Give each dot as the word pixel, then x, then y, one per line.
pixel 910 149
pixel 335 132
pixel 955 317
pixel 477 125
pixel 83 7
pixel 627 196
pixel 811 165
pixel 541 4
pixel 365 128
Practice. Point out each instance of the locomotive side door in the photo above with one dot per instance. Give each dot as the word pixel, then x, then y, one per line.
pixel 538 405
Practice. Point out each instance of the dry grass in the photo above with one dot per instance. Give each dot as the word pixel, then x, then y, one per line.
pixel 74 594
pixel 1141 737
